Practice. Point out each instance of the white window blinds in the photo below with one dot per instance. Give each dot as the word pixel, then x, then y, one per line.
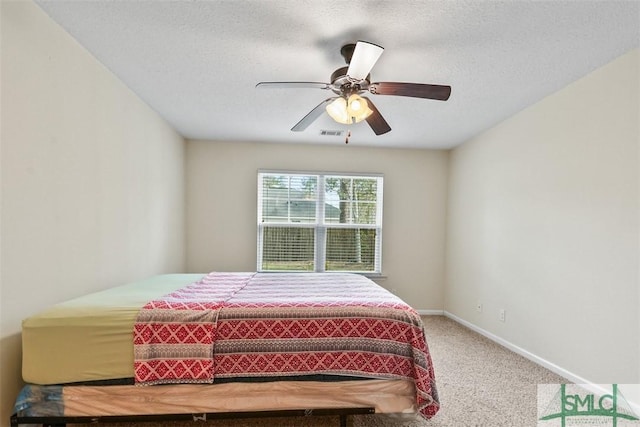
pixel 319 222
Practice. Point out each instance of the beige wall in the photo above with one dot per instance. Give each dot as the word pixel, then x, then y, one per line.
pixel 92 180
pixel 544 222
pixel 222 200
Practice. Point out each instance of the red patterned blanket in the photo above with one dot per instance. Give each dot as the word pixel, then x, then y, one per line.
pixel 269 324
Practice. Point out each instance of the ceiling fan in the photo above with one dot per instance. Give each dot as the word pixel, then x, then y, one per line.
pixel 350 82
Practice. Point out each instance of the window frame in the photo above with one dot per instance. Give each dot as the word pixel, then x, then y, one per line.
pixel 320 226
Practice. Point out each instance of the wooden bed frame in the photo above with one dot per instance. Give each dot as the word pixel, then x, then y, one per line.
pixel 342 413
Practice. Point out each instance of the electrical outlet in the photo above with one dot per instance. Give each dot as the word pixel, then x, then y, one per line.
pixel 479 307
pixel 503 315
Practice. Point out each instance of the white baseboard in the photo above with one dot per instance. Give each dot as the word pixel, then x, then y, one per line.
pixel 576 379
pixel 430 312
pixel 519 350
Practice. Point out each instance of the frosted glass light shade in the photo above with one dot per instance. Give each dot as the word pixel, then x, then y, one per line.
pixel 338 111
pixel 358 108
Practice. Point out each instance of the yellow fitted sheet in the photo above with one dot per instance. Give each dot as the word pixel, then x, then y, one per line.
pixel 90 338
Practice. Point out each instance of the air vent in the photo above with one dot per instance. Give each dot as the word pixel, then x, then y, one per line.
pixel 332 132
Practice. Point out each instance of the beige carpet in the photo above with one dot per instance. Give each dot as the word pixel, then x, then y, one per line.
pixel 480 384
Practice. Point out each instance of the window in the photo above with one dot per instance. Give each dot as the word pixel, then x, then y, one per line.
pixel 319 222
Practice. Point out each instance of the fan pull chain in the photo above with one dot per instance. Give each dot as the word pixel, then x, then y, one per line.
pixel 346 140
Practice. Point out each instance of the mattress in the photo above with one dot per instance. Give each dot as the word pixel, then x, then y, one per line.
pixel 89 338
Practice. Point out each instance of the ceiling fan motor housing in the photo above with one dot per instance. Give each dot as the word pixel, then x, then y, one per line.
pixel 345 85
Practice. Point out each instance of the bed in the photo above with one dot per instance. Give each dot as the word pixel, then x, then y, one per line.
pixel 193 346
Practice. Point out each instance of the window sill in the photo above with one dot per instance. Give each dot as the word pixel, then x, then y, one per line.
pixel 374 276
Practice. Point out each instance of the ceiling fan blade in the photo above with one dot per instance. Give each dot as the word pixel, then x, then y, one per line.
pixel 416 90
pixel 312 116
pixel 364 58
pixel 292 85
pixel 378 124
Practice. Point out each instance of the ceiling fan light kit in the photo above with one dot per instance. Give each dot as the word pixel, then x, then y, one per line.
pixel 349 82
pixel 348 111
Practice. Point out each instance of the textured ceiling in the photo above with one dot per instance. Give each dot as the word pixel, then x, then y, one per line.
pixel 197 62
